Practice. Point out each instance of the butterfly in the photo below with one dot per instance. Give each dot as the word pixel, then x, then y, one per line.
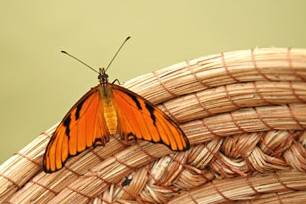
pixel 104 111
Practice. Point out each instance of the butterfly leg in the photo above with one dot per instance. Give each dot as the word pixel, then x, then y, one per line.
pixel 116 80
pixel 124 139
pixel 132 139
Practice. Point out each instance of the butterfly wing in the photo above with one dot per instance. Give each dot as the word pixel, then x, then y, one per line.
pixel 140 118
pixel 80 129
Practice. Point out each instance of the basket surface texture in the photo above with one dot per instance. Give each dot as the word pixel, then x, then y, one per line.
pixel 244 113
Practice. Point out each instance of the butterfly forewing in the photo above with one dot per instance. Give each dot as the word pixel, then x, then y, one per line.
pixel 80 129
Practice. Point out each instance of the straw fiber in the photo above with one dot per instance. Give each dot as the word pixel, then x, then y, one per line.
pixel 244 113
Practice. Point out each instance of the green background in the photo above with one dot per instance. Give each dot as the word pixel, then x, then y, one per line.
pixel 38 84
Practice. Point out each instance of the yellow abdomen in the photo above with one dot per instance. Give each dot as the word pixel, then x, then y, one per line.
pixel 110 116
pixel 109 111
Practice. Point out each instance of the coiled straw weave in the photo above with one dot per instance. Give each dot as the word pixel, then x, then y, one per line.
pixel 244 113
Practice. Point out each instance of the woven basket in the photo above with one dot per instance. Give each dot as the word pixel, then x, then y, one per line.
pixel 244 113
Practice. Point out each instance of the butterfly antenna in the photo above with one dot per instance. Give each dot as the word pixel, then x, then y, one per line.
pixel 66 53
pixel 126 39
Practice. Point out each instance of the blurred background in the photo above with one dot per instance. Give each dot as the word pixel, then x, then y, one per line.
pixel 38 84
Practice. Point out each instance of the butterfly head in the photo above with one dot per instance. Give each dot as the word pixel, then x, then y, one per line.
pixel 103 77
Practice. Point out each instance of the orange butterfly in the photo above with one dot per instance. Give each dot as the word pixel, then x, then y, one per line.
pixel 104 111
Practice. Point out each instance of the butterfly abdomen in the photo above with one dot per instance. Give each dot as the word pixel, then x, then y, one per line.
pixel 109 111
pixel 110 117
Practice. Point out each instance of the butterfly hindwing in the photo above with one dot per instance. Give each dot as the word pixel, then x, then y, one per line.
pixel 138 117
pixel 80 129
